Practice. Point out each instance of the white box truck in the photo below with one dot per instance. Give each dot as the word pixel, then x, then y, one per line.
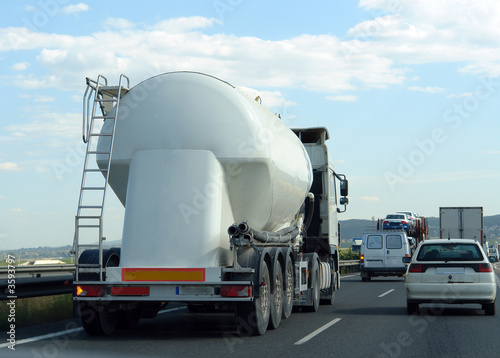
pixel 462 223
pixel 225 207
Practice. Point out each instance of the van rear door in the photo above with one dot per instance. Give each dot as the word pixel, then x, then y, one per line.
pixel 395 249
pixel 375 252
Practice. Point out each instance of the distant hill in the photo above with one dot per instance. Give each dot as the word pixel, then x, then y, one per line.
pixel 350 229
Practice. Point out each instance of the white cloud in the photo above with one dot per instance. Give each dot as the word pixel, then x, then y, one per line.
pixel 43 99
pixel 376 53
pixel 426 89
pixel 270 99
pixel 73 9
pixel 65 125
pixel 343 98
pixel 426 31
pixel 9 167
pixel 20 66
pixel 51 57
pixel 118 23
pixel 183 24
pixel 316 63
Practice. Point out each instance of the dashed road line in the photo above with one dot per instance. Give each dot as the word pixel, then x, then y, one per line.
pixel 386 293
pixel 316 332
pixel 45 336
pixel 68 332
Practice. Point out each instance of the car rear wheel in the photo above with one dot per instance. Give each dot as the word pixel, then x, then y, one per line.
pixel 489 309
pixel 411 307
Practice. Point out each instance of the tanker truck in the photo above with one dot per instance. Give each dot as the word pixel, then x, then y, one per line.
pixel 225 207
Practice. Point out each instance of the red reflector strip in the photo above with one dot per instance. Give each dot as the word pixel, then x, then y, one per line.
pixel 163 274
pixel 236 291
pixel 130 291
pixel 89 291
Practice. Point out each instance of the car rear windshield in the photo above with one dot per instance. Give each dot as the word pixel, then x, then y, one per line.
pixel 395 217
pixel 450 252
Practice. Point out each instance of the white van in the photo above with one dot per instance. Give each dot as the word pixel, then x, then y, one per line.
pixel 382 253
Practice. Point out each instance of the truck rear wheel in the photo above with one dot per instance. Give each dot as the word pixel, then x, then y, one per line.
pixel 252 318
pixel 99 318
pixel 277 297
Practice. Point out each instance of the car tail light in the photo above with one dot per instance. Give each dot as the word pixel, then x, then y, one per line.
pixel 89 291
pixel 236 291
pixel 415 268
pixel 404 222
pixel 362 258
pixel 386 222
pixel 485 268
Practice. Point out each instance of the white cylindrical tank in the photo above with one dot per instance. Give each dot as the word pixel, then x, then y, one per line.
pixel 266 170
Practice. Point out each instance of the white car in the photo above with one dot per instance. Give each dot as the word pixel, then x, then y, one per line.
pixel 450 271
pixel 410 214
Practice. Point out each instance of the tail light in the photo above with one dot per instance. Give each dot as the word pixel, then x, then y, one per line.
pixel 236 291
pixel 362 258
pixel 89 291
pixel 386 222
pixel 485 268
pixel 404 222
pixel 415 268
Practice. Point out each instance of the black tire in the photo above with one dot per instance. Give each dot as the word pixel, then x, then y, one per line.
pixel 252 318
pixel 99 318
pixel 489 309
pixel 411 307
pixel 110 258
pixel 330 301
pixel 315 292
pixel 129 319
pixel 277 297
pixel 288 291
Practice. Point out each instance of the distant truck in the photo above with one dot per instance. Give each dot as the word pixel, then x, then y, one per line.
pixel 462 223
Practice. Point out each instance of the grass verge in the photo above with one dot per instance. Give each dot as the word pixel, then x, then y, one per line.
pixel 37 310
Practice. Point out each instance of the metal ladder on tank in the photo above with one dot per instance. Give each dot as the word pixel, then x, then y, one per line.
pixel 89 216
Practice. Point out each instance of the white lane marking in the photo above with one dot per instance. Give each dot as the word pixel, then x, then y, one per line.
pixel 316 332
pixel 341 277
pixel 386 293
pixel 69 331
pixel 45 336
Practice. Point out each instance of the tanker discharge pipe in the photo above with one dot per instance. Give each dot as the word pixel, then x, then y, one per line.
pixel 281 236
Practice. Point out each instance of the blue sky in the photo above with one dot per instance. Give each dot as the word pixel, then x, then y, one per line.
pixel 409 91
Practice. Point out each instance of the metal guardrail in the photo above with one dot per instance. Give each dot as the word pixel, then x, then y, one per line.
pixel 34 281
pixel 32 271
pixel 349 266
pixel 46 280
